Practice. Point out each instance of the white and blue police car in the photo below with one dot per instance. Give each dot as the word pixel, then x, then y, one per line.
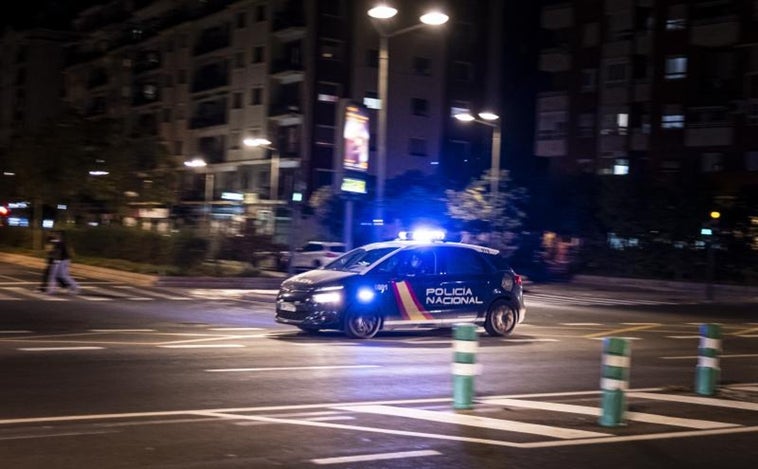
pixel 405 284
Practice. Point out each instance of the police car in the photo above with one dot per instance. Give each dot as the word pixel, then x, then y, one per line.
pixel 405 284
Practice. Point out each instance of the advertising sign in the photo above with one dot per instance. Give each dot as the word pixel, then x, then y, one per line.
pixel 355 136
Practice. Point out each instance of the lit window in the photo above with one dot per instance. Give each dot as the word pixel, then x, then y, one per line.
pixel 676 18
pixel 672 121
pixel 676 68
pixel 621 167
pixel 622 121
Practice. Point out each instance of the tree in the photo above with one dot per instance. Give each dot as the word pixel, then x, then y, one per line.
pixel 492 219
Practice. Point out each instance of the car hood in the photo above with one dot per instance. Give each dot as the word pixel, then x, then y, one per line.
pixel 315 278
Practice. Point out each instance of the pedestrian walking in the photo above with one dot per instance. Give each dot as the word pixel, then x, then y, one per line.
pixel 59 267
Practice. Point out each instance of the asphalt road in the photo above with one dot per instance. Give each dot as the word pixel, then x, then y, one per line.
pixel 124 376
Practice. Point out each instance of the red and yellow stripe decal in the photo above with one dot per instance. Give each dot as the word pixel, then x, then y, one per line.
pixel 407 303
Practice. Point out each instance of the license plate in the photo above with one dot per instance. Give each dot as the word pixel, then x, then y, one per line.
pixel 288 307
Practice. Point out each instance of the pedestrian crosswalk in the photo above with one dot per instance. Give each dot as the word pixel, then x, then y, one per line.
pixel 541 299
pixel 98 292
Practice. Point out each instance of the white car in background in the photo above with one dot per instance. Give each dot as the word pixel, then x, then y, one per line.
pixel 313 255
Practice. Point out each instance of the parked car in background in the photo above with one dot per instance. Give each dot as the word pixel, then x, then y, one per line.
pixel 312 255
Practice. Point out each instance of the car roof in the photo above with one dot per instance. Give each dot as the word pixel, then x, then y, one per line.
pixel 409 244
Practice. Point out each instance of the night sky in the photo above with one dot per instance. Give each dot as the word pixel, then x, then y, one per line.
pixel 53 14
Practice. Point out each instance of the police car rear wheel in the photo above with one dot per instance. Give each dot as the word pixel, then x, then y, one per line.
pixel 500 320
pixel 362 326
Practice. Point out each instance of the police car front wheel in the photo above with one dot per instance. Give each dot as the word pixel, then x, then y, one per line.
pixel 363 325
pixel 501 319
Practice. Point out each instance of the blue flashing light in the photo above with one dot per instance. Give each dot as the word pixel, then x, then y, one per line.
pixel 422 234
pixel 366 295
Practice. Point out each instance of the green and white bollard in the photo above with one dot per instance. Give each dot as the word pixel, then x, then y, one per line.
pixel 614 381
pixel 707 371
pixel 465 344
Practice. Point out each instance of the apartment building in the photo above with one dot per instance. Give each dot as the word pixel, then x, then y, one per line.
pixel 655 88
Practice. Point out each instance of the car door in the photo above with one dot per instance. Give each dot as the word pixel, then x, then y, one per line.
pixel 416 274
pixel 462 284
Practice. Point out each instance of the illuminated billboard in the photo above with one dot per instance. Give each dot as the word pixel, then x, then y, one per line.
pixel 355 137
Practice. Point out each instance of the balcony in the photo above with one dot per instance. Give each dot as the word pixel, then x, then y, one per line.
pixel 719 32
pixel 212 39
pixel 550 143
pixel 555 60
pixel 289 25
pixel 287 72
pixel 211 76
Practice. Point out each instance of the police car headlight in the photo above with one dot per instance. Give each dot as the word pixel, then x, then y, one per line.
pixel 328 295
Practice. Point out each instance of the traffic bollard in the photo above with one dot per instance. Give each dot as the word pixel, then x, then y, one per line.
pixel 465 344
pixel 614 381
pixel 707 371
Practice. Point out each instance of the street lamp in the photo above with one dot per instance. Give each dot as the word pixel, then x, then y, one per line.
pixel 197 163
pixel 380 13
pixel 266 143
pixel 488 118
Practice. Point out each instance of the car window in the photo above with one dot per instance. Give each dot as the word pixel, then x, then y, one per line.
pixel 359 259
pixel 416 262
pixel 337 248
pixel 313 247
pixel 461 261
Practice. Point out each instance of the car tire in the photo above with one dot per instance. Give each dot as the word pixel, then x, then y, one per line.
pixel 501 319
pixel 362 325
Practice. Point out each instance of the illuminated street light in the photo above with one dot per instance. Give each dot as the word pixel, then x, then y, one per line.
pixel 380 13
pixel 487 118
pixel 197 163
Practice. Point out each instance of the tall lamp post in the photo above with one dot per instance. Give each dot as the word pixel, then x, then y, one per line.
pixel 274 176
pixel 488 119
pixel 381 13
pixel 197 163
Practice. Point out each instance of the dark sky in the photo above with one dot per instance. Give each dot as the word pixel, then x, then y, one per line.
pixel 54 14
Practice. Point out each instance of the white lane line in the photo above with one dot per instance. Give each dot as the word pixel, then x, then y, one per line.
pixel 683 336
pixel 709 401
pixel 291 368
pixel 235 329
pixel 331 419
pixel 54 435
pixel 595 411
pixel 151 293
pixel 695 357
pixel 37 296
pixel 611 335
pixel 581 324
pixel 16 332
pixel 203 346
pixel 122 330
pixel 474 421
pixel 57 349
pixel 375 457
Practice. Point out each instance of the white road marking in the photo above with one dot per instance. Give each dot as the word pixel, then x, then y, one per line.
pixel 16 332
pixel 695 357
pixel 581 324
pixel 235 329
pixel 375 457
pixel 290 368
pixel 36 295
pixel 595 411
pixel 709 401
pixel 474 421
pixel 57 349
pixel 122 330
pixel 203 346
pixel 153 293
pixel 683 336
pixel 54 435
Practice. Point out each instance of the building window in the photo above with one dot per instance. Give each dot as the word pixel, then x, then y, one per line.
pixel 711 162
pixel 330 49
pixel 422 66
pixel 182 77
pixel 234 141
pixel 237 101
pixel 417 146
pixel 166 115
pixel 590 34
pixel 258 54
pixel 239 59
pixel 256 96
pixel 751 160
pixel 615 124
pixel 260 13
pixel 620 167
pixel 676 68
pixel 586 125
pixel 420 107
pixel 371 100
pixel 616 73
pixel 672 121
pixel 328 92
pixel 178 145
pixel 676 18
pixel 241 17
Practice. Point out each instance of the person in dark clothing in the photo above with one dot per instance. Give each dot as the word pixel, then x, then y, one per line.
pixel 61 260
pixel 49 248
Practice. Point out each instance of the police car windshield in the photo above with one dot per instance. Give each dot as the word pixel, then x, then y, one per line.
pixel 359 259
